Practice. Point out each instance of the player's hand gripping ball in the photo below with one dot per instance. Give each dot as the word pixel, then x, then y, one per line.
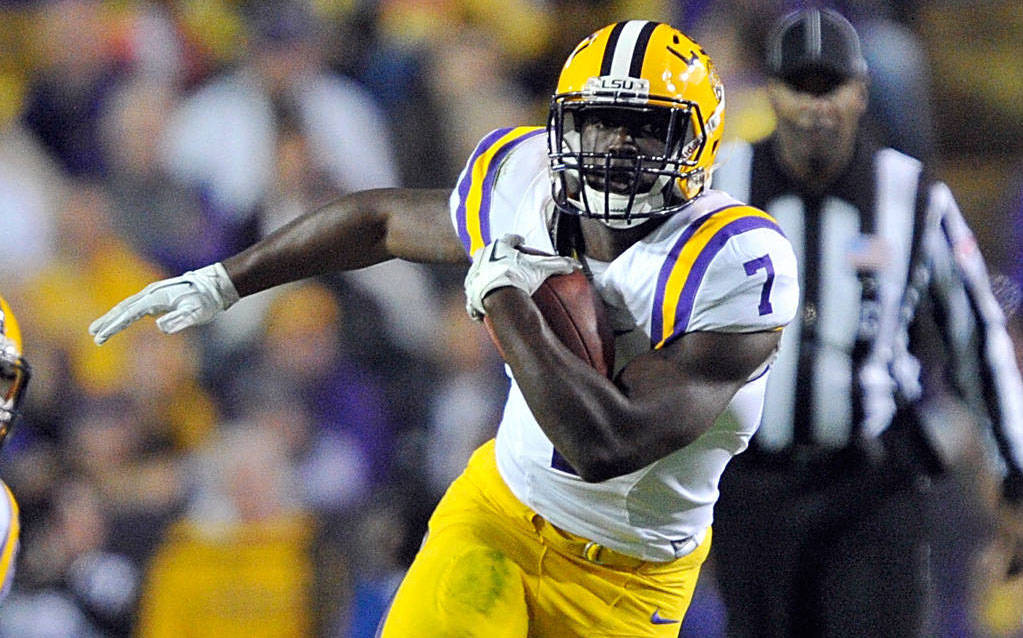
pixel 562 292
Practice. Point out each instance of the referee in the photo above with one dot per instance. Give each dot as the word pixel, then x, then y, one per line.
pixel 821 527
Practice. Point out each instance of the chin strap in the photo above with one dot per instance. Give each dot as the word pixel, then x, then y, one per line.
pixel 566 235
pixel 567 238
pixel 642 203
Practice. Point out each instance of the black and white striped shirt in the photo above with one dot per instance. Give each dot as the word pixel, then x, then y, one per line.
pixel 884 250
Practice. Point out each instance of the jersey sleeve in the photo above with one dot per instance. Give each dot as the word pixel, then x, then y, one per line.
pixel 478 194
pixel 731 271
pixel 9 529
pixel 973 325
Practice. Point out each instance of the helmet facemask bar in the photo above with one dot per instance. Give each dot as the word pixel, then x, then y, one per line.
pixel 14 376
pixel 620 187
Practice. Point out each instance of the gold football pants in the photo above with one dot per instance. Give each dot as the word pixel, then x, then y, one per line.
pixel 492 567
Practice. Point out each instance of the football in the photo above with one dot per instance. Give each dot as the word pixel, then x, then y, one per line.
pixel 575 312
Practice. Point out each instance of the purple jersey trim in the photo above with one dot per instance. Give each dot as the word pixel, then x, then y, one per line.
pixel 694 278
pixel 466 183
pixel 487 188
pixel 657 321
pixel 488 182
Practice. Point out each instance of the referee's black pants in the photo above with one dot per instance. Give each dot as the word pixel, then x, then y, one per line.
pixel 816 544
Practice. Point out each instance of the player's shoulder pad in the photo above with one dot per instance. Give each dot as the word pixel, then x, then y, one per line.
pixel 731 269
pixel 500 151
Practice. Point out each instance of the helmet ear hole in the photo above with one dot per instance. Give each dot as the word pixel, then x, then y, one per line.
pixel 694 183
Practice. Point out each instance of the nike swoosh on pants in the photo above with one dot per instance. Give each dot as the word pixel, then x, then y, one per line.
pixel 657 619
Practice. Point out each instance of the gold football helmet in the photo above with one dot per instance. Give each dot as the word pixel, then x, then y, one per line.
pixel 14 371
pixel 654 81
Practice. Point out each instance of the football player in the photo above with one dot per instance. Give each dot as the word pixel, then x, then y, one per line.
pixel 14 375
pixel 590 515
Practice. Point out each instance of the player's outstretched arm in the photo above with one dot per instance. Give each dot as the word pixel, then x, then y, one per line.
pixel 660 402
pixel 358 230
pixel 354 231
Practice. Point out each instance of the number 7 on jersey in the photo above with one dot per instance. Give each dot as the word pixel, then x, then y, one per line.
pixel 752 267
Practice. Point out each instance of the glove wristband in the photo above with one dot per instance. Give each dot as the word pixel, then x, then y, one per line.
pixel 222 284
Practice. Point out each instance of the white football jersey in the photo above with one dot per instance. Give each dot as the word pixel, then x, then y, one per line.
pixel 718 265
pixel 9 532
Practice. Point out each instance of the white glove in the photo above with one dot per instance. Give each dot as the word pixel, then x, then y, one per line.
pixel 500 263
pixel 192 299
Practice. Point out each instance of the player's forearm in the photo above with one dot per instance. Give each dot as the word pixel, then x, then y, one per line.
pixel 565 395
pixel 357 230
pixel 601 430
pixel 343 235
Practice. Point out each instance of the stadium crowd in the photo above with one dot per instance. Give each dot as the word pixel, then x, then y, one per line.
pixel 270 474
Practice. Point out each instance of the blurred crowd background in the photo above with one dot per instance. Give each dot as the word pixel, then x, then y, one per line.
pixel 271 474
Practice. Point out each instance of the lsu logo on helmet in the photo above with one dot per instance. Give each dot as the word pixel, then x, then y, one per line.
pixel 647 70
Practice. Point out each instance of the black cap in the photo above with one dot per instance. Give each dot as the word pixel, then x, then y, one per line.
pixel 814 39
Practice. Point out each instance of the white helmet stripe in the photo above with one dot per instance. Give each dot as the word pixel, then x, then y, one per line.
pixel 813 33
pixel 632 41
